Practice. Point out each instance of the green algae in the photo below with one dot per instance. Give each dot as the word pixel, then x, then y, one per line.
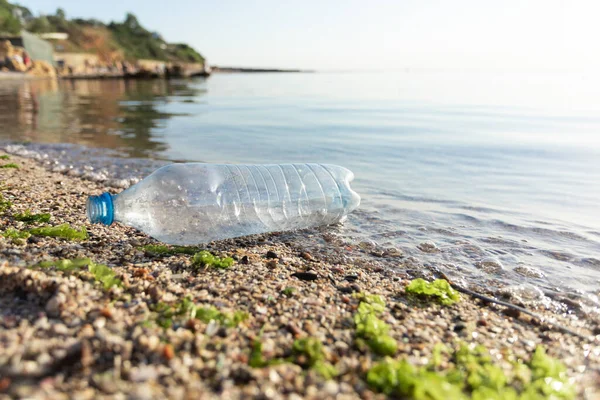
pixel 4 204
pixel 66 264
pixel 440 290
pixel 472 374
pixel 104 275
pixel 168 314
pixel 16 236
pixel 308 353
pixel 28 217
pixel 4 157
pixel 10 165
pixel 371 330
pixel 100 272
pixel 288 291
pixel 64 231
pixel 206 259
pixel 256 359
pixel 162 250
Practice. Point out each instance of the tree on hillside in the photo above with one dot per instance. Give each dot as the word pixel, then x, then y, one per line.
pixel 60 14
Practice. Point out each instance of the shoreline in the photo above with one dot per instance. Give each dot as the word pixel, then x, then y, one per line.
pixel 63 334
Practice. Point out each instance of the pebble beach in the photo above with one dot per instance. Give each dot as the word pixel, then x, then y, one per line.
pixel 66 334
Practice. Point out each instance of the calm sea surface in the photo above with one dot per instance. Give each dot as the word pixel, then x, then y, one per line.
pixel 500 171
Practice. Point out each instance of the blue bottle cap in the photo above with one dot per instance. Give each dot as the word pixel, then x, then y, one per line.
pixel 100 209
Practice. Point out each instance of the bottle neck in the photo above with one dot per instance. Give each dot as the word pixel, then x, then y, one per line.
pixel 100 209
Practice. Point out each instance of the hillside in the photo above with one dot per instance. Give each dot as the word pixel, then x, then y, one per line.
pixel 127 40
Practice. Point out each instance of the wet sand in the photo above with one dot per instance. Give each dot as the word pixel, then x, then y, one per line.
pixel 63 335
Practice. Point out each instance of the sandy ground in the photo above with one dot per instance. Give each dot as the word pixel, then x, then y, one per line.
pixel 62 335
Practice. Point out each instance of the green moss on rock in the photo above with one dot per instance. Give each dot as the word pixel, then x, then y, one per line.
pixel 10 165
pixel 440 290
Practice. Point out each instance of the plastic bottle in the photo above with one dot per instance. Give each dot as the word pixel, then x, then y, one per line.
pixel 196 203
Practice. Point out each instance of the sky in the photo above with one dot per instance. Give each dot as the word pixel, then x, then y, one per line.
pixel 366 35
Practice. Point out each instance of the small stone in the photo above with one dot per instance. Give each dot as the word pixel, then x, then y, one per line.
pixel 60 329
pixel 351 278
pixel 86 331
pixel 261 310
pixel 272 255
pixel 212 328
pixel 53 306
pixel 393 252
pixel 349 289
pixel 428 247
pixel 272 264
pixel 245 260
pixel 153 342
pixel 489 265
pixel 307 256
pixel 100 323
pixel 482 322
pixel 306 276
pixel 331 387
pixel 155 293
pixel 106 313
pixel 168 351
pixel 461 326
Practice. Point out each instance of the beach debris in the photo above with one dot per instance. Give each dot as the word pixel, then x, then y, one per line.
pixel 323 190
pixel 440 290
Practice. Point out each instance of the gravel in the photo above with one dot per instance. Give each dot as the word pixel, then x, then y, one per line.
pixel 62 335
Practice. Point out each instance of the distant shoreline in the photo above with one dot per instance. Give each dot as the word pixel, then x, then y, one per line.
pixel 220 69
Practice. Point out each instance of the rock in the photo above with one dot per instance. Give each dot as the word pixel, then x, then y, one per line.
pixel 351 278
pixel 349 289
pixel 155 293
pixel 306 276
pixel 428 247
pixel 489 265
pixel 54 305
pixel 245 260
pixel 60 329
pixel 307 256
pixel 272 255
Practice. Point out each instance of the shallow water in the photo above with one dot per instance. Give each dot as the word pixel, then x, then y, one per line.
pixel 492 177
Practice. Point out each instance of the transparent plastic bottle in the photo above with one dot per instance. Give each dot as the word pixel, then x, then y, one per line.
pixel 196 203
